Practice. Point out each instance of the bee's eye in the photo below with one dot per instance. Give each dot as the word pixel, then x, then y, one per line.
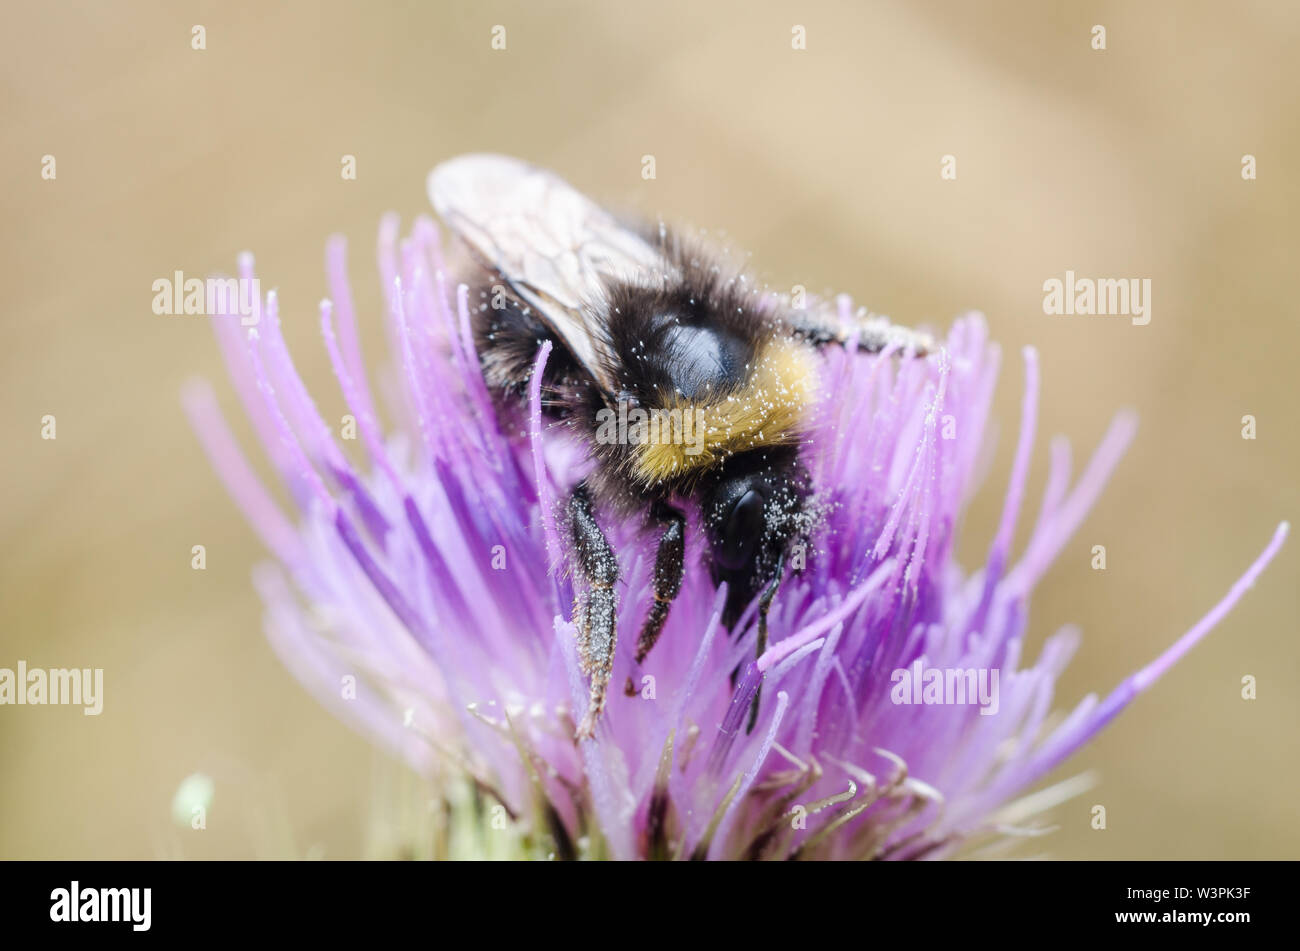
pixel 741 531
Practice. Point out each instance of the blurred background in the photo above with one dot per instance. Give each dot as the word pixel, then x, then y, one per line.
pixel 824 163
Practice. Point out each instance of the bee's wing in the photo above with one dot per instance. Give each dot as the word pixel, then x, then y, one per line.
pixel 557 248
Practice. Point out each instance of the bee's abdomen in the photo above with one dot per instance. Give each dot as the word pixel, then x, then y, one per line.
pixel 508 338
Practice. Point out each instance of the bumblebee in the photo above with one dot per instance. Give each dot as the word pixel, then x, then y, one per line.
pixel 689 386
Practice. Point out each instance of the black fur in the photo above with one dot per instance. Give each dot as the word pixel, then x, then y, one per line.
pixel 507 339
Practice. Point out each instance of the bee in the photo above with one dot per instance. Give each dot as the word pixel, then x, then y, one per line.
pixel 650 327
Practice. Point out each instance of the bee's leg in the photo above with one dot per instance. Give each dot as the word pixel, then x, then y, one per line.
pixel 764 604
pixel 597 613
pixel 873 333
pixel 670 566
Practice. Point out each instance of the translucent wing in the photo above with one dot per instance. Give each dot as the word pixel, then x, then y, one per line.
pixel 557 248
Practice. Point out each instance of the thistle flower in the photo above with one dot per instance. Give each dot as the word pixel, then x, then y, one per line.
pixel 423 596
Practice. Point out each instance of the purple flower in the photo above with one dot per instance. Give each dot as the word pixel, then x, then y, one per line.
pixel 423 595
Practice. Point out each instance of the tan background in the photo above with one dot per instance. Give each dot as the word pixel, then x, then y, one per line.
pixel 824 163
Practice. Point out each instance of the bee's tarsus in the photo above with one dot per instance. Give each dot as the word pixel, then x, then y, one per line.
pixel 670 566
pixel 764 604
pixel 597 615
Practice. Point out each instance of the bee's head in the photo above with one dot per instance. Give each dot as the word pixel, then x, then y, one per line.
pixel 753 509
